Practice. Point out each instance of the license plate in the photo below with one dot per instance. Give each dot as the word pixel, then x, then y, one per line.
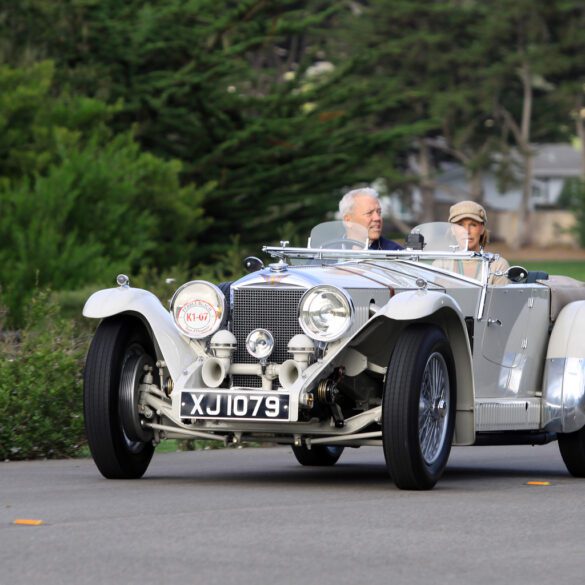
pixel 235 405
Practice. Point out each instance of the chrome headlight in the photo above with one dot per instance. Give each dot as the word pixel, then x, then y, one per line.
pixel 198 308
pixel 325 313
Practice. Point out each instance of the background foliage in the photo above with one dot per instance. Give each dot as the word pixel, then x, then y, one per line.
pixel 145 135
pixel 40 392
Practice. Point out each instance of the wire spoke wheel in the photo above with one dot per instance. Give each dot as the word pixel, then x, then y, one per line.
pixel 433 414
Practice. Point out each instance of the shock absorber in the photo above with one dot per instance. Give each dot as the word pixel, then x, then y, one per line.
pixel 326 394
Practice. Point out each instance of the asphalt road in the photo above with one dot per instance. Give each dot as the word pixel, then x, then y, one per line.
pixel 254 516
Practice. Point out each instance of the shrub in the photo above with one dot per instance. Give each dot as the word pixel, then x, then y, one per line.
pixel 41 368
pixel 76 202
pixel 573 197
pixel 41 385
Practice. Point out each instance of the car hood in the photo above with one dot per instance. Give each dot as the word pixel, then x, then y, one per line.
pixel 347 275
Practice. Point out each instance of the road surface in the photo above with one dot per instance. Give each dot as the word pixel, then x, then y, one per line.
pixel 254 516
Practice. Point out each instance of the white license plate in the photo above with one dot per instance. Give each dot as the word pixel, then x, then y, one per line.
pixel 223 404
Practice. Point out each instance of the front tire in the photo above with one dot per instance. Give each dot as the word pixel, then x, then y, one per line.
pixel 119 345
pixel 318 455
pixel 418 410
pixel 572 448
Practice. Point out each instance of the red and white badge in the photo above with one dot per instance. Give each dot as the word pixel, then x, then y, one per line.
pixel 198 318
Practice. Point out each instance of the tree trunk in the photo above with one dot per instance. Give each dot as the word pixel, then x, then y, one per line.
pixel 476 192
pixel 522 236
pixel 427 186
pixel 525 212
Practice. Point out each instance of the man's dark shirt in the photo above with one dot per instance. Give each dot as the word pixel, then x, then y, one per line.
pixel 385 244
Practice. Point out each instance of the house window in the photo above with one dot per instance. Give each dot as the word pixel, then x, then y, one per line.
pixel 541 194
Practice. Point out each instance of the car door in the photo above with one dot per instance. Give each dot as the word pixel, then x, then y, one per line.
pixel 512 336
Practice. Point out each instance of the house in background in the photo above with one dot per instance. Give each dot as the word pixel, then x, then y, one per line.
pixel 549 224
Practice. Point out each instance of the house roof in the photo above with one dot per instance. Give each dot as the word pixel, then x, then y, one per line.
pixel 552 165
pixel 557 160
pixel 550 161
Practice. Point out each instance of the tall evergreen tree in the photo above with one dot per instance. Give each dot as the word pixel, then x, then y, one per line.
pixel 415 61
pixel 77 204
pixel 568 74
pixel 223 87
pixel 523 53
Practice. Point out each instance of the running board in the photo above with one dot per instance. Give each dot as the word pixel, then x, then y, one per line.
pixel 507 414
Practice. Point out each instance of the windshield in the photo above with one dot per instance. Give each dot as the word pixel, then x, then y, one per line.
pixel 339 235
pixel 437 245
pixel 441 236
pixel 342 235
pixel 444 237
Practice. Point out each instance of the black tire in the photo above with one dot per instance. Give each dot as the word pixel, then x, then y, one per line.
pixel 117 343
pixel 572 448
pixel 318 455
pixel 417 442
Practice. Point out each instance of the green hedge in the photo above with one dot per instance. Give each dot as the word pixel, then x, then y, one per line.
pixel 41 385
pixel 41 365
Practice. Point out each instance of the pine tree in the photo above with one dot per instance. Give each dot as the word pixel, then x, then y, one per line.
pixel 78 205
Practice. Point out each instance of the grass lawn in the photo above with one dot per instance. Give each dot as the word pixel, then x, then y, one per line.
pixel 572 268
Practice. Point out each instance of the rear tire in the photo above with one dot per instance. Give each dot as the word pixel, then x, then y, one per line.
pixel 318 455
pixel 118 344
pixel 572 448
pixel 418 410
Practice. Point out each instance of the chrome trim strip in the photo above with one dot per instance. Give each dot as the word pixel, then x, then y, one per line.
pixel 507 414
pixel 481 306
pixel 279 252
pixel 563 395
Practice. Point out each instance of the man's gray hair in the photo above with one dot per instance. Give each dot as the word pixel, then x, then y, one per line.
pixel 348 200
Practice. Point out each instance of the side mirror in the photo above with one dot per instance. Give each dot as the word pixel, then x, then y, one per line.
pixel 252 264
pixel 517 274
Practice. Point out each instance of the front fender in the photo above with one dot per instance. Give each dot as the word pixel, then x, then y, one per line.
pixel 176 351
pixel 375 342
pixel 417 304
pixel 563 392
pixel 442 310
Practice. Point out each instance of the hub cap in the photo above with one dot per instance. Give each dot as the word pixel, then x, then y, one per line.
pixel 131 376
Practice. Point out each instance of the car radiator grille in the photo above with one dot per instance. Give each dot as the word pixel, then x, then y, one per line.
pixel 274 309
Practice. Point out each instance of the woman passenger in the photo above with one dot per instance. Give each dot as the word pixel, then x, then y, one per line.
pixel 472 217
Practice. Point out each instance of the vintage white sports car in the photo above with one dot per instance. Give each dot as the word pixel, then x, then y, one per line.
pixel 335 345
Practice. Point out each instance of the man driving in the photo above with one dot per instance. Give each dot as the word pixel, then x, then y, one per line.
pixel 362 206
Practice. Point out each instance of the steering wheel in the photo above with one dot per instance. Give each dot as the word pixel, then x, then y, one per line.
pixel 344 244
